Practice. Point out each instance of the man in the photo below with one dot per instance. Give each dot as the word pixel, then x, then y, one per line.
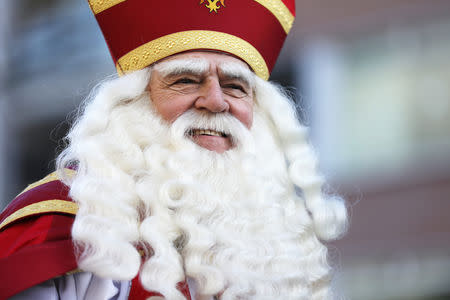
pixel 189 178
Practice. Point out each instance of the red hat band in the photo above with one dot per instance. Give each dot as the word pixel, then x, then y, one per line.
pixel 141 32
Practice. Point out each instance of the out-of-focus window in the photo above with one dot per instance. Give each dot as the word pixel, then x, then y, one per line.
pixel 379 109
pixel 54 55
pixel 381 102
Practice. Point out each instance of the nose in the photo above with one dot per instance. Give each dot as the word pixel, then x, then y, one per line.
pixel 211 97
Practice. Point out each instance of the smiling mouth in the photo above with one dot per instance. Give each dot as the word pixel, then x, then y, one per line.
pixel 210 139
pixel 208 132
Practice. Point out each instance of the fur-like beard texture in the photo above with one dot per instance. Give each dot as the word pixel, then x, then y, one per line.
pixel 231 221
pixel 227 215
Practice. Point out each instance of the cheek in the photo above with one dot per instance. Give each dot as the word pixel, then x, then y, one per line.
pixel 168 106
pixel 244 113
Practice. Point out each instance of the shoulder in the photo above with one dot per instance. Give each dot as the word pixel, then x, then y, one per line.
pixel 47 195
pixel 35 240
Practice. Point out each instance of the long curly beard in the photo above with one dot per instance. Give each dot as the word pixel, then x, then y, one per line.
pixel 231 221
pixel 233 218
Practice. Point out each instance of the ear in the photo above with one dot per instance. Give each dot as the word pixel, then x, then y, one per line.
pixel 149 87
pixel 150 71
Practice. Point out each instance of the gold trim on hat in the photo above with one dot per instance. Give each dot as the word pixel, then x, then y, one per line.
pixel 165 46
pixel 280 11
pixel 47 206
pixel 97 6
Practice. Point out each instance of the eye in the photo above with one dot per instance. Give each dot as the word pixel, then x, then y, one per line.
pixel 236 90
pixel 235 87
pixel 184 83
pixel 185 80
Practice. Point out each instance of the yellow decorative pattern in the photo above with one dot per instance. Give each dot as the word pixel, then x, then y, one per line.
pixel 97 6
pixel 74 272
pixel 165 46
pixel 280 11
pixel 50 177
pixel 47 206
pixel 212 5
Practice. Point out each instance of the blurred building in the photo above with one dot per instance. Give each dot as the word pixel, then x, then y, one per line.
pixel 54 53
pixel 372 80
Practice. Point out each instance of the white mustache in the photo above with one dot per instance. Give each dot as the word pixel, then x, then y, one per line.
pixel 223 123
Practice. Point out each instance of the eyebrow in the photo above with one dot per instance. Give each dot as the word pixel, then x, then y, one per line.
pixel 182 66
pixel 198 66
pixel 236 71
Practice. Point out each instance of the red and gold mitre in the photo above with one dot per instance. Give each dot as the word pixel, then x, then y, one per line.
pixel 141 32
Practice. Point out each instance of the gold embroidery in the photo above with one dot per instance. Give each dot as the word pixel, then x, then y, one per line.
pixel 212 5
pixel 97 6
pixel 280 11
pixel 74 272
pixel 42 207
pixel 50 177
pixel 165 46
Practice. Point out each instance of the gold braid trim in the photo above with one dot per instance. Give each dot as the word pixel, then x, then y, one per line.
pixel 43 206
pixel 165 46
pixel 97 6
pixel 74 271
pixel 50 177
pixel 60 206
pixel 280 11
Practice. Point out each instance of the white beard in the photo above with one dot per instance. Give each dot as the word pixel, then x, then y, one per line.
pixel 230 221
pixel 225 213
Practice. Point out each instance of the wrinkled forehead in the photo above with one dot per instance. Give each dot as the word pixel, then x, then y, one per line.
pixel 202 63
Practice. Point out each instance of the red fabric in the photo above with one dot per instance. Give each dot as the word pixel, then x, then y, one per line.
pixel 184 288
pixel 139 293
pixel 132 23
pixel 24 234
pixel 290 4
pixel 39 247
pixel 47 191
pixel 35 250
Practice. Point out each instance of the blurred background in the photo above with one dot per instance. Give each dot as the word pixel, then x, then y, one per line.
pixel 372 80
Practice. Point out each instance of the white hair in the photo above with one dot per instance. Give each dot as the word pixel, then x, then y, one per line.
pixel 233 221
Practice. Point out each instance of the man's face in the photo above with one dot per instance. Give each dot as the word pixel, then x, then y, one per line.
pixel 208 82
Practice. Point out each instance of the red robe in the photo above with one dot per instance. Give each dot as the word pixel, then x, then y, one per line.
pixel 36 243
